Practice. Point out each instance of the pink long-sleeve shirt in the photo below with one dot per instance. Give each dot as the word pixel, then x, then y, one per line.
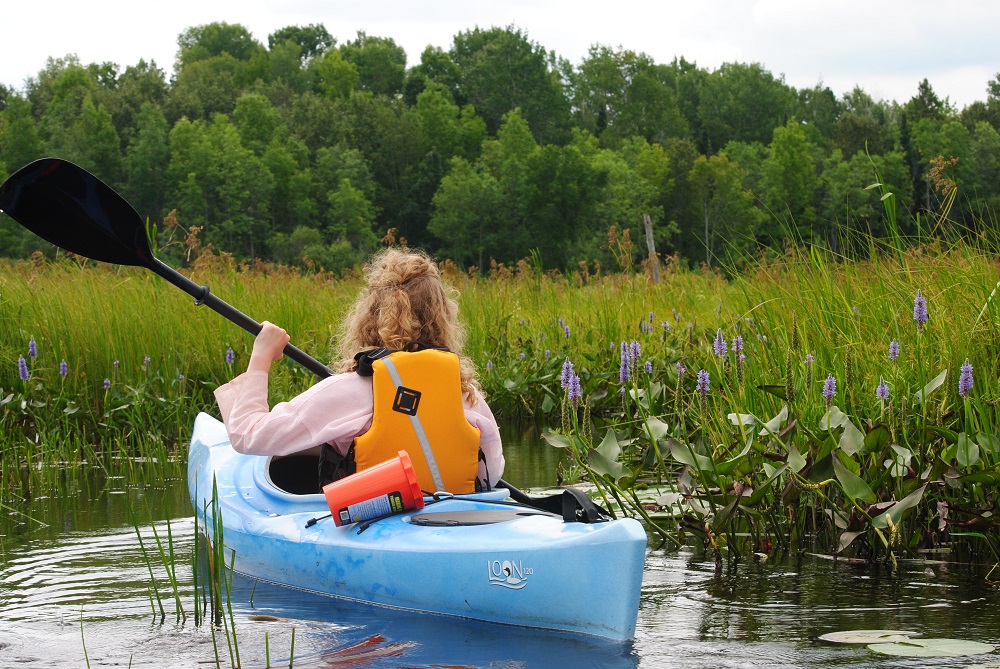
pixel 333 411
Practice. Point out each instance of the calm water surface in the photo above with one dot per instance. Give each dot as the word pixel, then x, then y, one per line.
pixel 74 587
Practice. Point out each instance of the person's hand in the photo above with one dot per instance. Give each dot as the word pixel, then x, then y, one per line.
pixel 267 347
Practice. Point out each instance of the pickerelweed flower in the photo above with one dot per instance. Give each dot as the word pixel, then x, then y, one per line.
pixel 107 384
pixel 882 392
pixel 894 350
pixel 230 356
pixel 737 344
pixel 489 365
pixel 649 367
pixel 665 325
pixel 180 377
pixel 567 373
pixel 704 386
pixel 22 368
pixel 829 390
pixel 32 348
pixel 116 364
pixel 651 319
pixel 809 358
pixel 720 344
pixel 681 370
pixel 63 369
pixel 573 390
pixel 634 352
pixel 624 368
pixel 920 310
pixel 566 330
pixel 146 361
pixel 548 354
pixel 523 354
pixel 965 379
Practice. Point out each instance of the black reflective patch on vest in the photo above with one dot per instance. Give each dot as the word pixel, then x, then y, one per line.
pixel 406 401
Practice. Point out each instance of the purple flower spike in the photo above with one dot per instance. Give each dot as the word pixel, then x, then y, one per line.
pixel 567 374
pixel 829 390
pixel 720 345
pixel 489 365
pixel 22 368
pixel 32 348
pixel 649 367
pixel 146 361
pixel 634 352
pixel 107 384
pixel 63 369
pixel 573 389
pixel 230 356
pixel 523 354
pixel 893 350
pixel 704 384
pixel 965 379
pixel 681 370
pixel 566 330
pixel 180 377
pixel 650 317
pixel 623 369
pixel 116 364
pixel 737 344
pixel 920 310
pixel 809 358
pixel 666 325
pixel 882 392
pixel 548 353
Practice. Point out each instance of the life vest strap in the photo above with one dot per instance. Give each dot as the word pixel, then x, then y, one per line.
pixel 418 427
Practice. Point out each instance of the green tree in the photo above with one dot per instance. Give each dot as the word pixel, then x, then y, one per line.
pixel 146 161
pixel 257 121
pixel 467 219
pixel 215 39
pixel 502 70
pixel 744 103
pixel 789 182
pixel 724 208
pixel 312 40
pixel 336 76
pixel 20 143
pixel 380 62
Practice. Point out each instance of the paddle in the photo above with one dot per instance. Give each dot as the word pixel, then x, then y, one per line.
pixel 70 207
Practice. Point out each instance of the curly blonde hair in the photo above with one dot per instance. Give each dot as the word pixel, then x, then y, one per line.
pixel 405 301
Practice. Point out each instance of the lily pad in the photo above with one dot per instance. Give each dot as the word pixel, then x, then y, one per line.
pixel 932 648
pixel 868 636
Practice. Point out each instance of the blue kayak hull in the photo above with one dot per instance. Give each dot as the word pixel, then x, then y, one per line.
pixel 534 571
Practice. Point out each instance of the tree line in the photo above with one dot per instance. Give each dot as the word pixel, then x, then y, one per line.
pixel 309 151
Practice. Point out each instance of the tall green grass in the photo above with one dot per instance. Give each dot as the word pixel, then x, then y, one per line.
pixel 761 460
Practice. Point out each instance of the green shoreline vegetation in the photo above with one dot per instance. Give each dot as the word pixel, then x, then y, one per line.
pixel 806 400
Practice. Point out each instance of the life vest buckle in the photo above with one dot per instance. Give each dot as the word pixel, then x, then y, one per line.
pixel 406 401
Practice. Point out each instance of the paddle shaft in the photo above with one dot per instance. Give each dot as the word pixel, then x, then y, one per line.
pixel 202 295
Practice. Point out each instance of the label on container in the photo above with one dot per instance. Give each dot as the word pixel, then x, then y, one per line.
pixel 369 509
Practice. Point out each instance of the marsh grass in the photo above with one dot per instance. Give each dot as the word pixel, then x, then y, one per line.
pixel 760 460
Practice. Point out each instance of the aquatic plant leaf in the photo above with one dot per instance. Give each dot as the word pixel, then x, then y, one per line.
pixel 609 446
pixel 773 425
pixel 867 636
pixel 686 455
pixel 967 454
pixel 932 385
pixel 897 510
pixel 557 440
pixel 989 442
pixel 877 439
pixel 657 428
pixel 981 477
pixel 854 485
pixel 932 648
pixel 758 494
pixel 852 440
pixel 776 390
pixel 548 404
pixel 726 466
pixel 899 463
pixel 833 419
pixel 846 539
pixel 795 459
pixel 605 467
pixel 742 419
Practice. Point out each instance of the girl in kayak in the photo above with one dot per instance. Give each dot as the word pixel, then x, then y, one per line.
pixel 403 302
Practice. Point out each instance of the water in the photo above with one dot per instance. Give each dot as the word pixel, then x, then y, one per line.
pixel 74 587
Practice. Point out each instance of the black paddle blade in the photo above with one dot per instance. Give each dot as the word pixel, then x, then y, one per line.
pixel 70 207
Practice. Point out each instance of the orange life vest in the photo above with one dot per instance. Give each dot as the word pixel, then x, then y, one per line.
pixel 419 408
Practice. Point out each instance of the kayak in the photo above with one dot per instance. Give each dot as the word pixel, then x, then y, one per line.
pixel 473 556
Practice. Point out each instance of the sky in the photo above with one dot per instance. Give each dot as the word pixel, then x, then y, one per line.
pixel 884 46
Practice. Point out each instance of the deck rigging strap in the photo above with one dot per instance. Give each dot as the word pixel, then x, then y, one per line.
pixel 572 504
pixel 418 427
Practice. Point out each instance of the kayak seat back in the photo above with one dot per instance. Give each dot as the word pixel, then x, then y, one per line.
pixel 295 474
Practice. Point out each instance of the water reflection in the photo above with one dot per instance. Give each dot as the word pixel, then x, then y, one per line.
pixel 72 566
